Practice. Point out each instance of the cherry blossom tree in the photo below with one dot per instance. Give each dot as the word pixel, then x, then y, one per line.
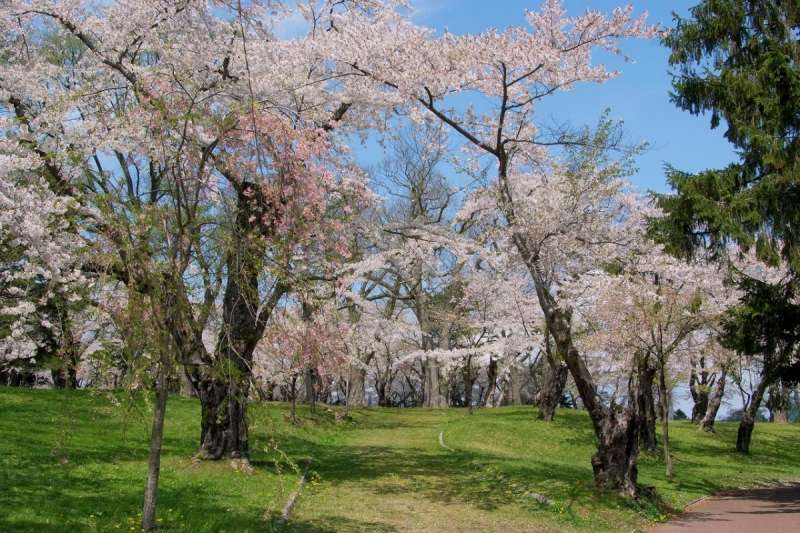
pixel 651 314
pixel 41 284
pixel 514 69
pixel 198 154
pixel 418 274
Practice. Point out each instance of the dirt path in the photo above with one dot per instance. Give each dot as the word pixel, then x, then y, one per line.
pixel 774 510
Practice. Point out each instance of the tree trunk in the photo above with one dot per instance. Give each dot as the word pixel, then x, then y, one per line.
pixel 434 396
pixel 223 424
pixel 781 416
pixel 699 385
pixel 665 396
pixel 553 390
pixel 617 432
pixel 310 381
pixel 491 385
pixel 714 402
pixel 67 350
pixel 187 389
pixel 555 381
pixel 293 395
pixel 154 460
pixel 517 382
pixel 700 406
pixel 355 387
pixel 645 403
pixel 614 463
pixel 380 390
pixel 469 382
pixel 778 403
pixel 748 421
pixel 223 389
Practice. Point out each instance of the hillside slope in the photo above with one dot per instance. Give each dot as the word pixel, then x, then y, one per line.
pixel 76 461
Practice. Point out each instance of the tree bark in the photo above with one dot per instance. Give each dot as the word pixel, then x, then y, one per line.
pixel 645 374
pixel 223 424
pixel 699 385
pixel 617 431
pixel 434 396
pixel 700 406
pixel 553 390
pixel 714 402
pixel 154 459
pixel 747 424
pixel 223 389
pixel 355 387
pixel 491 378
pixel 665 396
pixel 615 462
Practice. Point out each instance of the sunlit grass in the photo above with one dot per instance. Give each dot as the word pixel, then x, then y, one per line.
pixel 76 461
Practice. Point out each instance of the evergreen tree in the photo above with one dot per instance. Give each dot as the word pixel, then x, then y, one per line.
pixel 737 60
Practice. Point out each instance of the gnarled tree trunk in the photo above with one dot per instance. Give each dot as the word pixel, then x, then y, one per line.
pixel 553 387
pixel 223 419
pixel 615 462
pixel 224 388
pixel 552 390
pixel 617 430
pixel 714 402
pixel 642 391
pixel 778 403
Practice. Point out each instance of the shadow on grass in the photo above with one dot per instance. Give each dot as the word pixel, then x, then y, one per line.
pixel 326 524
pixel 75 461
pixel 70 459
pixel 481 480
pixel 87 506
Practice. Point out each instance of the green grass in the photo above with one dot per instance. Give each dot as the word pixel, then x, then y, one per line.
pixel 76 461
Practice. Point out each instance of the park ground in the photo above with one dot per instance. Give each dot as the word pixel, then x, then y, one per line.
pixel 76 461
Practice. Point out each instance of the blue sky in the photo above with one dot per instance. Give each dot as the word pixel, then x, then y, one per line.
pixel 639 96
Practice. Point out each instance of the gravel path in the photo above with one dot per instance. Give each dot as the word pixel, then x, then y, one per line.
pixel 773 510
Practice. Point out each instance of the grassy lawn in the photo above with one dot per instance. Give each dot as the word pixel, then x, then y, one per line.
pixel 76 461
